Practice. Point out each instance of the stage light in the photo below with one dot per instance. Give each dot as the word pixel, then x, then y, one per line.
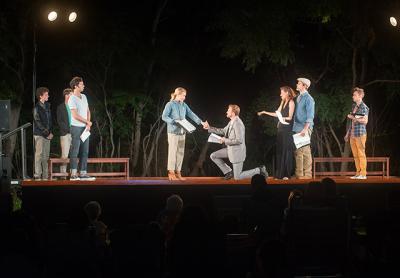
pixel 72 17
pixel 393 21
pixel 52 16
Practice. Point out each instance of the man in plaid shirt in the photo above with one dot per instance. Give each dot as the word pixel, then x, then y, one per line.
pixel 357 133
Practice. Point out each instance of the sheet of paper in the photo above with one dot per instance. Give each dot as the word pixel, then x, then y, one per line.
pixel 214 138
pixel 186 125
pixel 280 118
pixel 301 141
pixel 85 135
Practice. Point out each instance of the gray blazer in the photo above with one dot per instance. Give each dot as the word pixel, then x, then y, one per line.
pixel 234 133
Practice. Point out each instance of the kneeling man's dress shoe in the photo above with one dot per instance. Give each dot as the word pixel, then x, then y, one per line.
pixel 228 175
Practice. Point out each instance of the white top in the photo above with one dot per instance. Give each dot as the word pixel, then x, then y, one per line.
pixel 81 105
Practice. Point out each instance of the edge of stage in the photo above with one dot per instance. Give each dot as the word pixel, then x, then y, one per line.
pixel 139 200
pixel 198 181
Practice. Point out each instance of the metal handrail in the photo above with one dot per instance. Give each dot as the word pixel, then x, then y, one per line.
pixel 23 145
pixel 11 133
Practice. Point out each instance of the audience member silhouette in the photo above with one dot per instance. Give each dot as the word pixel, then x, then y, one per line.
pixel 169 216
pixel 262 213
pixel 100 230
pixel 195 249
pixel 315 195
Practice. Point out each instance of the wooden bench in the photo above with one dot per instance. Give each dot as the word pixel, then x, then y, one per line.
pixel 116 160
pixel 384 160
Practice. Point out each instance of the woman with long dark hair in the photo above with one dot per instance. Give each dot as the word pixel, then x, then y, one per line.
pixel 284 140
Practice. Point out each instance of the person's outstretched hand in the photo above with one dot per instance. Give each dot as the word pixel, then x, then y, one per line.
pixel 205 125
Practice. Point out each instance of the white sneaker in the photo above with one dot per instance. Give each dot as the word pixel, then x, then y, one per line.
pixel 355 177
pixel 85 177
pixel 361 177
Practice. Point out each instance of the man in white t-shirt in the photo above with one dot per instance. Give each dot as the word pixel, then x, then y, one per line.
pixel 80 122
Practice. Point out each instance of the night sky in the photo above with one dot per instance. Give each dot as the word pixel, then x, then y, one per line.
pixel 188 53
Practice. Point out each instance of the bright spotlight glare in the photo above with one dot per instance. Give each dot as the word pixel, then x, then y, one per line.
pixel 72 17
pixel 52 16
pixel 393 21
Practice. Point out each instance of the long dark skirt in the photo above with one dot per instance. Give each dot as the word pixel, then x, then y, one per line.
pixel 284 153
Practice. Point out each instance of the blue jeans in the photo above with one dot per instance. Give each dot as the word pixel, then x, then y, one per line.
pixel 78 147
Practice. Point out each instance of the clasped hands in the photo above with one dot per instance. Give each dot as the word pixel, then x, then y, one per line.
pixel 205 125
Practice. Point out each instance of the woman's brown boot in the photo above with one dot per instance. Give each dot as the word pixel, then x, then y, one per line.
pixel 171 176
pixel 179 176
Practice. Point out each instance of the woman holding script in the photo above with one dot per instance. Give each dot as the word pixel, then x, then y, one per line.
pixel 284 140
pixel 174 113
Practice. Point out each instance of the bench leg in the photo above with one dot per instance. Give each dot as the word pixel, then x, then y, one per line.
pixel 387 168
pixel 50 169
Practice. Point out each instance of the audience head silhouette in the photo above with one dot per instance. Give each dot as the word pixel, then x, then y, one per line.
pixel 93 210
pixel 174 203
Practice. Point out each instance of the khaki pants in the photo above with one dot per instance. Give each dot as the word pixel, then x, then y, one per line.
pixel 65 142
pixel 357 145
pixel 42 153
pixel 176 150
pixel 304 161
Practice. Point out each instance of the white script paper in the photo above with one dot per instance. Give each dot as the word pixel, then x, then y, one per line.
pixel 85 135
pixel 186 125
pixel 301 141
pixel 280 118
pixel 214 138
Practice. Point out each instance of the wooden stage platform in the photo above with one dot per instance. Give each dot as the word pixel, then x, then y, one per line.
pixel 139 200
pixel 200 181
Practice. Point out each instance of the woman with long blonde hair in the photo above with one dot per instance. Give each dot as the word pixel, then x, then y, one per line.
pixel 177 109
pixel 284 167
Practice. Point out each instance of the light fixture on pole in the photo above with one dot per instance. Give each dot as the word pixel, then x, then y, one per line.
pixel 51 16
pixel 393 21
pixel 72 17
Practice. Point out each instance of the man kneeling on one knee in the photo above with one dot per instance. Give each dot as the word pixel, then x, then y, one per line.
pixel 235 150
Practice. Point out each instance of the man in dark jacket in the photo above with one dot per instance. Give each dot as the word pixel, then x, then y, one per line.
pixel 42 133
pixel 64 123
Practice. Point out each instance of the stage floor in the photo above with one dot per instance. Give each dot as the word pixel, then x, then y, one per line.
pixel 200 181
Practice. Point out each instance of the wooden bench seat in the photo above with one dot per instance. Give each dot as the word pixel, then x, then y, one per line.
pixel 114 160
pixel 384 160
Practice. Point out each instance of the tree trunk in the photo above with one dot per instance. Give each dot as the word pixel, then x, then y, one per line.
pixel 110 123
pixel 198 168
pixel 327 146
pixel 99 147
pixel 131 150
pixel 138 134
pixel 320 149
pixel 147 158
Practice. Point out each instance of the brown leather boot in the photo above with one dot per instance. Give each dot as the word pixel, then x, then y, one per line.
pixel 179 176
pixel 171 176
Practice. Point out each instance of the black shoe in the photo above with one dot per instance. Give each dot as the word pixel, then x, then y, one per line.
pixel 74 178
pixel 228 175
pixel 263 171
pixel 85 177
